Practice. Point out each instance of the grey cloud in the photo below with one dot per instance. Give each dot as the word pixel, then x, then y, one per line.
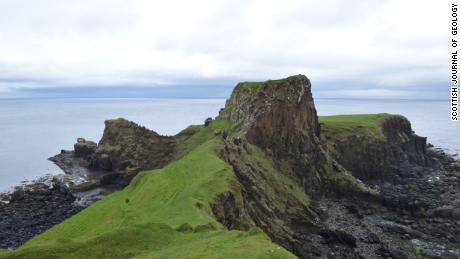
pixel 370 46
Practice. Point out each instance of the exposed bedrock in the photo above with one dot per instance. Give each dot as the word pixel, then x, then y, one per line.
pixel 127 148
pixel 279 116
pixel 371 157
pixel 124 149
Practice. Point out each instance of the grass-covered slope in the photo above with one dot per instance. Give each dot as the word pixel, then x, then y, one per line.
pixel 341 126
pixel 163 213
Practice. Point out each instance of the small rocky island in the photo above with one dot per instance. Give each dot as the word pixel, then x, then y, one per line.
pixel 267 178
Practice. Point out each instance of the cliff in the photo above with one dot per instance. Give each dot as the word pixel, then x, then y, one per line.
pixel 266 179
pixel 373 146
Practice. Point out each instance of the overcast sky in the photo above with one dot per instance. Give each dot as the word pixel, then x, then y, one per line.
pixel 348 48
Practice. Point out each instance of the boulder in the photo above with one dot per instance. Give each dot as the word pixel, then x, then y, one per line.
pixel 207 122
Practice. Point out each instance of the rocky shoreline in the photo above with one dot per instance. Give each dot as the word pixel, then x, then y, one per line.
pixel 418 218
pixel 350 186
pixel 33 208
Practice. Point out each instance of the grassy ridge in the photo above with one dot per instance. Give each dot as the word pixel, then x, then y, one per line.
pixel 147 218
pixel 249 85
pixel 338 126
pixel 144 219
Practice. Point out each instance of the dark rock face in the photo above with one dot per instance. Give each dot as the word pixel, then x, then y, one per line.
pixel 84 148
pixel 229 211
pixel 372 158
pixel 127 148
pixel 283 117
pixel 281 216
pixel 399 133
pixel 124 149
pixel 279 115
pixel 32 209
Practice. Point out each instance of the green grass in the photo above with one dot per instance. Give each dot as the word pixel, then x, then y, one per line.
pixel 143 220
pixel 195 135
pixel 248 85
pixel 357 124
pixel 161 241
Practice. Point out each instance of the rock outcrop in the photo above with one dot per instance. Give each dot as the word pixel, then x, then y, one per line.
pixel 127 148
pixel 84 148
pixel 124 149
pixel 374 157
pixel 280 117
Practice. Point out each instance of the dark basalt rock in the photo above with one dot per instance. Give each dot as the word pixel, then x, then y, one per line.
pixel 32 209
pixel 207 122
pixel 338 236
pixel 283 117
pixel 280 117
pixel 230 211
pixel 342 220
pixel 124 149
pixel 372 158
pixel 84 148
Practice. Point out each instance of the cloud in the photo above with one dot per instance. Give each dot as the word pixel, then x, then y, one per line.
pixel 380 44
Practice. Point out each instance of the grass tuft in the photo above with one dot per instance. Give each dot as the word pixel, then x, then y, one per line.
pixel 339 126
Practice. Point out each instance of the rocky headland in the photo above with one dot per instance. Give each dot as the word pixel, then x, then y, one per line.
pixel 350 186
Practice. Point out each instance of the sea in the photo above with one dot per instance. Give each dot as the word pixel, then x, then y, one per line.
pixel 32 130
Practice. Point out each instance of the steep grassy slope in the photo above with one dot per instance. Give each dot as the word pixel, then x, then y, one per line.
pixel 164 213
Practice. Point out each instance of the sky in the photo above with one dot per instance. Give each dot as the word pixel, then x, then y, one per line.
pixel 202 48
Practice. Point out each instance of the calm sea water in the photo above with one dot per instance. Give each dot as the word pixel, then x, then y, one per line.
pixel 33 130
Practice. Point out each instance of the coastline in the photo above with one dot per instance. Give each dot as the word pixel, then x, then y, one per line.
pixel 347 185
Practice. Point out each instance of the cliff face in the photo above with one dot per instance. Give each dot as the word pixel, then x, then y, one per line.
pixel 371 156
pixel 398 132
pixel 279 116
pixel 283 117
pixel 277 154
